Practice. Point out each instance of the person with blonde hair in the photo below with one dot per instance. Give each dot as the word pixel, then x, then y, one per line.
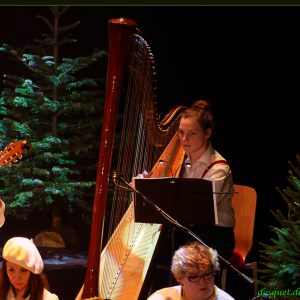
pixel 21 276
pixel 194 267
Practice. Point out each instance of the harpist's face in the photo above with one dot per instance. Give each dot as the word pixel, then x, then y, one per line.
pixel 192 138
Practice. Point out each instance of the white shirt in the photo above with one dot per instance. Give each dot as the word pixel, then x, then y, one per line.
pixel 222 176
pixel 47 295
pixel 174 293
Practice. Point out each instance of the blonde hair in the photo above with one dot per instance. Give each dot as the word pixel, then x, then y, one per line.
pixel 194 256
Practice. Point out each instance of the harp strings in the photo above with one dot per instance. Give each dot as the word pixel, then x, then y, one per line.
pixel 142 143
pixel 137 153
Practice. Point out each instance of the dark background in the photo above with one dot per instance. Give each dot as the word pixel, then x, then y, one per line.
pixel 244 60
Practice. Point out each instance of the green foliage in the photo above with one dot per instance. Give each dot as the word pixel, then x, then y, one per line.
pixel 60 113
pixel 283 257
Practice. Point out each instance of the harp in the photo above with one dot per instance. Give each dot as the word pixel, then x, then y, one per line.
pixel 124 261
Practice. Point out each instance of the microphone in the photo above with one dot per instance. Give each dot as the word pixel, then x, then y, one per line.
pixel 187 164
pixel 161 161
pixel 115 177
pixel 172 184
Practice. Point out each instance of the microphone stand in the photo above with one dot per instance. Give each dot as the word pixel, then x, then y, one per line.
pixel 171 220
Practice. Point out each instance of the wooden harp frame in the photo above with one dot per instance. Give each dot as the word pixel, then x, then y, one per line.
pixel 120 34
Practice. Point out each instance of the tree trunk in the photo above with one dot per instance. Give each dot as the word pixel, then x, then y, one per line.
pixel 55 54
pixel 56 214
pixel 56 210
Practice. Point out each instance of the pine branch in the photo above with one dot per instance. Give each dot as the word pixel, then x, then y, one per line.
pixel 289 203
pixel 10 83
pixel 280 231
pixel 266 258
pixel 11 51
pixel 46 123
pixel 63 41
pixel 280 217
pixel 54 10
pixel 294 168
pixel 48 36
pixel 291 260
pixel 294 181
pixel 49 24
pixel 48 42
pixel 17 78
pixel 296 247
pixel 63 11
pixel 293 224
pixel 293 194
pixel 68 27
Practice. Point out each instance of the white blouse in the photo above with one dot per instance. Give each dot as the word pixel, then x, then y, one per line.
pixel 174 293
pixel 221 173
pixel 47 295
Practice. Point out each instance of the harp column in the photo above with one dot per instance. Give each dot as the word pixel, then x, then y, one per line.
pixel 120 31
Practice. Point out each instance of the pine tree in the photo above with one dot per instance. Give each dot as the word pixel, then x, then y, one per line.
pixel 60 115
pixel 283 258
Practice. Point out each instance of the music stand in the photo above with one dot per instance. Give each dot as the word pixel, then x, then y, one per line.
pixel 162 212
pixel 187 200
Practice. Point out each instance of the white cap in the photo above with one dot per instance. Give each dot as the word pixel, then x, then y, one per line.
pixel 2 210
pixel 23 252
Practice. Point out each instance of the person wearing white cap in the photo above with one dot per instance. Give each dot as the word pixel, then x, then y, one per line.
pixel 21 276
pixel 2 210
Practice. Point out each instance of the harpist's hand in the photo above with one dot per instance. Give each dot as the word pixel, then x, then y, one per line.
pixel 145 174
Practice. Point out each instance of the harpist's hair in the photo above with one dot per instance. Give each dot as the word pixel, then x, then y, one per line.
pixel 201 111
